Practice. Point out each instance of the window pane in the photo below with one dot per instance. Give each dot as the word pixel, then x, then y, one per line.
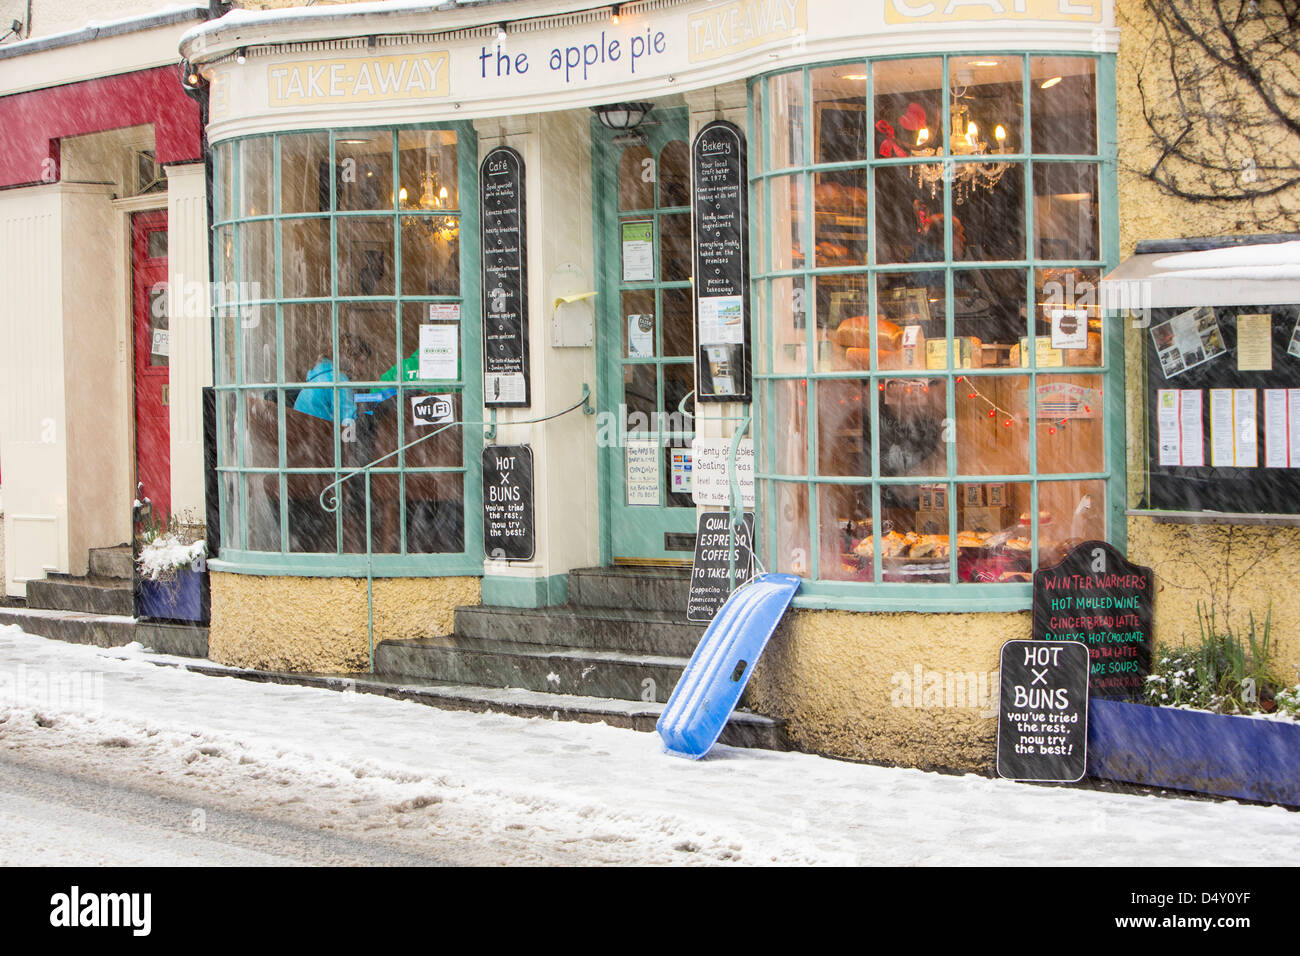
pixel 364 169
pixel 990 316
pixel 309 429
pixel 430 255
pixel 844 532
pixel 909 106
pixel 304 173
pixel 989 211
pixel 414 316
pixel 223 181
pixel 1063 104
pixel 365 256
pixel 367 341
pixel 256 260
pixel 984 106
pixel 911 421
pixel 785 120
pixel 640 396
pixel 1066 211
pixel 840 223
pixel 789 324
pixel 426 162
pixel 223 254
pixel 305 251
pixel 677 321
pixel 914 534
pixel 1070 424
pixel 789 215
pixel 1072 295
pixel 427 411
pixel 679 381
pixel 992 545
pixel 636 178
pixel 844 428
pixel 1069 512
pixel 839 113
pixel 909 216
pixel 435 514
pixel 255 159
pixel 226 455
pixel 793 548
pixel 992 428
pixel 257 341
pixel 226 320
pixel 842 309
pixel 263 512
pixel 311 527
pixel 640 324
pixel 308 342
pixel 675 247
pixel 675 175
pixel 911 331
pixel 790 418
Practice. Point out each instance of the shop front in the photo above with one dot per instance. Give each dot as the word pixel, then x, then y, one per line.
pixel 931 391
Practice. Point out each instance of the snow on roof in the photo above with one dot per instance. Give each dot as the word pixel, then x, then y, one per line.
pixel 1277 260
pixel 98 29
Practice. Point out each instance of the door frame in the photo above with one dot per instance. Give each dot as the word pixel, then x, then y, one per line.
pixel 131 208
pixel 608 338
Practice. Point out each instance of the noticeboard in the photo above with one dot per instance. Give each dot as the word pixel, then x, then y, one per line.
pixel 720 248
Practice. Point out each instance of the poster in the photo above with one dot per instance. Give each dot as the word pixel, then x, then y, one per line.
pixel 439 352
pixel 638 251
pixel 640 336
pixel 1191 419
pixel 1245 445
pixel 1221 445
pixel 721 319
pixel 505 279
pixel 1255 342
pixel 1293 347
pixel 1293 423
pixel 1168 430
pixel 1189 339
pixel 1069 328
pixel 1275 428
pixel 641 472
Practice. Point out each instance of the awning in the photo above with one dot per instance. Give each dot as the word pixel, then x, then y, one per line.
pixel 1230 271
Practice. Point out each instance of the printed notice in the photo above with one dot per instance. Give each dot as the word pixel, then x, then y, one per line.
pixel 1191 427
pixel 638 251
pixel 641 475
pixel 1255 343
pixel 640 336
pixel 1293 423
pixel 1221 444
pixel 1188 339
pixel 680 463
pixel 1275 428
pixel 439 352
pixel 504 387
pixel 1245 440
pixel 1168 433
pixel 722 320
pixel 1069 328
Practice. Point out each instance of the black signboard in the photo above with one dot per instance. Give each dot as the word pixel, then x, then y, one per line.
pixel 505 280
pixel 1095 596
pixel 720 232
pixel 1043 711
pixel 509 523
pixel 710 572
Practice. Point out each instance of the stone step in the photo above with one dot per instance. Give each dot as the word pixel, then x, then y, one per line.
pixel 577 671
pixel 179 640
pixel 75 627
pixel 743 729
pixel 91 595
pixel 617 629
pixel 642 589
pixel 112 562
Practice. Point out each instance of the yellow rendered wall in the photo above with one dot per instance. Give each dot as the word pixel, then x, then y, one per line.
pixel 912 689
pixel 319 624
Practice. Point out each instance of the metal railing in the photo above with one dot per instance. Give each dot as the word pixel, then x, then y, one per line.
pixel 332 489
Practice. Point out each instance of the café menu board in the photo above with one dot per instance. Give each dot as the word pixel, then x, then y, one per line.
pixel 1096 597
pixel 505 280
pixel 720 234
pixel 509 522
pixel 711 569
pixel 1043 711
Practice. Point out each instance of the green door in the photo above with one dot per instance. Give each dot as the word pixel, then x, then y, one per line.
pixel 645 343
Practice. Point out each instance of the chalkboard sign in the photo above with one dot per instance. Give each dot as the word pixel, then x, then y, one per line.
pixel 710 584
pixel 1043 711
pixel 509 525
pixel 1242 353
pixel 720 233
pixel 1096 597
pixel 505 280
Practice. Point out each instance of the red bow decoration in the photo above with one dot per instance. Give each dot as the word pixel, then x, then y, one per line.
pixel 889 146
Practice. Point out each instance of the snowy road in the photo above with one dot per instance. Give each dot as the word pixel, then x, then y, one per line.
pixel 105 757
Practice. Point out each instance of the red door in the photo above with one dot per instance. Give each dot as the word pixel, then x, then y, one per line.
pixel 149 298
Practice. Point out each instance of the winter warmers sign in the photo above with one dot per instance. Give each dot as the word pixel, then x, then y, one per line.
pixel 505 280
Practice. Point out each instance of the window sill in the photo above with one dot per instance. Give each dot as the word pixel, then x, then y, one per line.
pixel 346 566
pixel 915 598
pixel 1215 517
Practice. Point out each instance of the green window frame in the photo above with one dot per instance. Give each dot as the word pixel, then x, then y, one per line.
pixel 242 301
pixel 874 592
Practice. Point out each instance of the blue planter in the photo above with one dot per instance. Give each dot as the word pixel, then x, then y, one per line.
pixel 180 599
pixel 1192 750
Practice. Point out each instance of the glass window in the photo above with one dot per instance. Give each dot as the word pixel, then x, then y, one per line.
pixel 938 221
pixel 327 282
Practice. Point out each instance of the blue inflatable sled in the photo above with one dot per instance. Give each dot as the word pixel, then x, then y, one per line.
pixel 722 663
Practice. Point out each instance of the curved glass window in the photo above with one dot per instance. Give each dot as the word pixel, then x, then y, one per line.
pixel 341 343
pixel 932 362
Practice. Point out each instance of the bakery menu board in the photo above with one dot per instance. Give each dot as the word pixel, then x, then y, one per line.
pixel 505 280
pixel 1096 597
pixel 1223 427
pixel 720 232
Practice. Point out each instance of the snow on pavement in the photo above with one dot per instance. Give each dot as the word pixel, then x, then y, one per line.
pixel 510 789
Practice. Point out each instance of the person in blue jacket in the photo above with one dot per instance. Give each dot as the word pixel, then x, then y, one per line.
pixel 319 402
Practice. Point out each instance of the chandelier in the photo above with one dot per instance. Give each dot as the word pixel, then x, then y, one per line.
pixel 964 141
pixel 433 197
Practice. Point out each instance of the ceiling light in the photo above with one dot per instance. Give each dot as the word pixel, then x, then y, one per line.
pixel 1048 84
pixel 622 116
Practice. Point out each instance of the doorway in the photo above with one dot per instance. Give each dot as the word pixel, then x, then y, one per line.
pixel 645 338
pixel 151 351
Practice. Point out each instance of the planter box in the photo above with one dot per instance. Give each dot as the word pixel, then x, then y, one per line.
pixel 1193 750
pixel 180 599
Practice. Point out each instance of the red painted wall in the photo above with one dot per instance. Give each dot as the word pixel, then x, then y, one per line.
pixel 31 123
